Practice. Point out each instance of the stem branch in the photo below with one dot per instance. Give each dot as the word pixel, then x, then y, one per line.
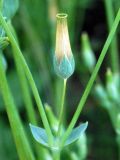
pixel 92 79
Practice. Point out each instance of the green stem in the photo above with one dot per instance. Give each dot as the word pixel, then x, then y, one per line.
pixel 62 107
pixel 41 152
pixel 114 46
pixel 56 155
pixel 30 78
pixel 23 148
pixel 92 79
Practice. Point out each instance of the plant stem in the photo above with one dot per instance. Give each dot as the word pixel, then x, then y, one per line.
pixel 62 107
pixel 30 78
pixel 23 148
pixel 113 47
pixel 92 79
pixel 56 155
pixel 41 151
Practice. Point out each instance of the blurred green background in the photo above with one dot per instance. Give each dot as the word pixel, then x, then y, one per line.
pixel 35 24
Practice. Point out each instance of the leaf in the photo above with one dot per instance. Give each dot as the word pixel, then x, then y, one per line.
pixel 9 8
pixel 76 133
pixel 39 135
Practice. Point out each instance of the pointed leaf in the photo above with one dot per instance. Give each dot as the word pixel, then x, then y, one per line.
pixel 76 133
pixel 39 135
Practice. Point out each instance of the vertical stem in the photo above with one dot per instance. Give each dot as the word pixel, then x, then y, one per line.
pixel 23 148
pixel 114 46
pixel 92 78
pixel 62 107
pixel 29 76
pixel 56 154
pixel 41 152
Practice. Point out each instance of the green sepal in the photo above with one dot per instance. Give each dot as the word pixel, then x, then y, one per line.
pixel 76 133
pixel 65 67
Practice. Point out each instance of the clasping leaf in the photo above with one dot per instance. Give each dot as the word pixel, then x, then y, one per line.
pixel 76 133
pixel 39 135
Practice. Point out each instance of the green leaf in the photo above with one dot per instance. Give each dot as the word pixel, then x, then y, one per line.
pixel 9 8
pixel 76 133
pixel 39 135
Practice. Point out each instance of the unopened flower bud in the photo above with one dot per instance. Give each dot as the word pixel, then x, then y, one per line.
pixel 88 56
pixel 101 96
pixel 63 60
pixel 111 87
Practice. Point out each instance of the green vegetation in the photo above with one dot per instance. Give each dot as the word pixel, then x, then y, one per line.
pixel 59 96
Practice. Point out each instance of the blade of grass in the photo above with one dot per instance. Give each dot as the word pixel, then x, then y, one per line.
pixel 23 148
pixel 113 47
pixel 30 78
pixel 92 79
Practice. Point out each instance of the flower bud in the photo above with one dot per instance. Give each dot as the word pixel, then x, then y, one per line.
pixel 52 120
pixel 63 59
pixel 101 96
pixel 88 56
pixel 111 87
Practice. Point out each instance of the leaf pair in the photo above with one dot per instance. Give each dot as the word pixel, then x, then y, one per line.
pixel 41 137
